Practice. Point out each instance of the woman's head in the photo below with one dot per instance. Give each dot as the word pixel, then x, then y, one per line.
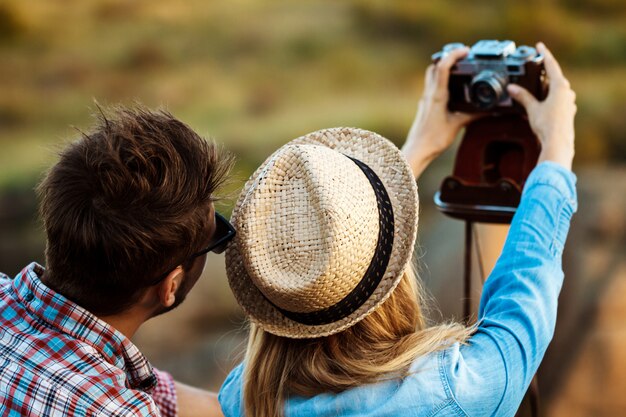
pixel 325 229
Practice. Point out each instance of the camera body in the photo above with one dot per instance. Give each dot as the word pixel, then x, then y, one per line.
pixel 499 150
pixel 478 82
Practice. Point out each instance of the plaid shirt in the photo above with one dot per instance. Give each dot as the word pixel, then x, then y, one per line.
pixel 57 359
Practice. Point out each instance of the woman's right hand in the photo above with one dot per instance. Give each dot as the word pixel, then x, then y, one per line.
pixel 552 120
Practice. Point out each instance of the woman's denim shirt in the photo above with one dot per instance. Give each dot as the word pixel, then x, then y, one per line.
pixel 489 375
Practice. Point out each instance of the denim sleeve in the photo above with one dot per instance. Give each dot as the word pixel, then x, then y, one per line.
pixel 517 315
pixel 230 396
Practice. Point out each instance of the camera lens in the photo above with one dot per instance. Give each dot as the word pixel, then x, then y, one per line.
pixel 487 89
pixel 485 93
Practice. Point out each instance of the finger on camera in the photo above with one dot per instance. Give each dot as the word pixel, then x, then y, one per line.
pixel 451 57
pixel 521 95
pixel 443 66
pixel 463 119
pixel 429 75
pixel 553 69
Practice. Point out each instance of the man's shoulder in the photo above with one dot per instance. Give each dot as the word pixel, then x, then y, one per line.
pixel 69 388
pixel 58 357
pixel 49 368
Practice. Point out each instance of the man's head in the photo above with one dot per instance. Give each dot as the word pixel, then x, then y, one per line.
pixel 126 203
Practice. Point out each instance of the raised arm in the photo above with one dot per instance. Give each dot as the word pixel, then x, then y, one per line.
pixel 435 127
pixel 518 306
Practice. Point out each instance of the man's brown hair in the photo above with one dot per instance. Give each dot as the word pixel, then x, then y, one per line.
pixel 125 203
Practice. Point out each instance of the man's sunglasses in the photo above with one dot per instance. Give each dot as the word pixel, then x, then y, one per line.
pixel 224 233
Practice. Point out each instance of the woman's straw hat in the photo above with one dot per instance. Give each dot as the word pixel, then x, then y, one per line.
pixel 325 229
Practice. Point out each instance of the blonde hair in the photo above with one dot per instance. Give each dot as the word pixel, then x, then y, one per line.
pixel 381 346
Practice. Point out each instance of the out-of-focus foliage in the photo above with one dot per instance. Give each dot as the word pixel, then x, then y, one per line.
pixel 254 74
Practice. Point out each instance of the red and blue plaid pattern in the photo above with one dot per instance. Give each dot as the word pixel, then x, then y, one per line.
pixel 57 359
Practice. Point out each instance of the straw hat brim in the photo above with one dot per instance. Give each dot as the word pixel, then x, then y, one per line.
pixel 386 160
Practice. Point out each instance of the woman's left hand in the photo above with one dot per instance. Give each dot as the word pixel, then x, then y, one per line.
pixel 435 127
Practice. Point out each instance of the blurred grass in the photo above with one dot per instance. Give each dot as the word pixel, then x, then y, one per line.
pixel 255 74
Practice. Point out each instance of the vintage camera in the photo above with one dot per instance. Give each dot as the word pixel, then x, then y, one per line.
pixel 499 150
pixel 478 82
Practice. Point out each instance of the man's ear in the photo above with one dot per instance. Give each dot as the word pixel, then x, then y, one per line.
pixel 168 287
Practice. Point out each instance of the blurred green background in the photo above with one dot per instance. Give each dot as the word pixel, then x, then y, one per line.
pixel 254 74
